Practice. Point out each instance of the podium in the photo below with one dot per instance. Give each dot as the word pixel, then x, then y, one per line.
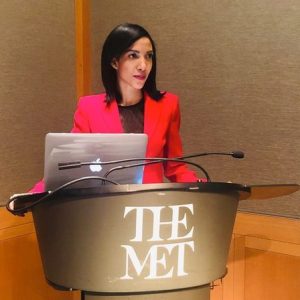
pixel 151 241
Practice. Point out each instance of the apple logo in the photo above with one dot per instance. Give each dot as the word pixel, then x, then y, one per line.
pixel 96 168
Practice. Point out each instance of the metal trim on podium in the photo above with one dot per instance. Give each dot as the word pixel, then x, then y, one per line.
pixel 151 241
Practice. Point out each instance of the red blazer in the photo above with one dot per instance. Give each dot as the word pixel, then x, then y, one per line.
pixel 161 124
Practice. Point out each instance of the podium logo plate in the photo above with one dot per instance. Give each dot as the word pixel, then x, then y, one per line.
pixel 162 237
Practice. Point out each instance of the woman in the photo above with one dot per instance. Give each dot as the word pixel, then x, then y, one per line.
pixel 133 104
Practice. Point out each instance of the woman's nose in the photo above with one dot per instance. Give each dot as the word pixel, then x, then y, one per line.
pixel 142 64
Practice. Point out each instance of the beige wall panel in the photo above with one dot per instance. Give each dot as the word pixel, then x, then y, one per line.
pixel 236 67
pixel 37 85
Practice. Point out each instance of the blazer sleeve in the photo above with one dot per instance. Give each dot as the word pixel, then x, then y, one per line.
pixel 174 171
pixel 81 119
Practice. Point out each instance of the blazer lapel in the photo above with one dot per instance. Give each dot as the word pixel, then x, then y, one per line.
pixel 151 115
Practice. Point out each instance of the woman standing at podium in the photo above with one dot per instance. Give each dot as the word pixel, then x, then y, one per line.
pixel 132 103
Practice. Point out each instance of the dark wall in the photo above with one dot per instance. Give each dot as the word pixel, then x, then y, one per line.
pixel 37 86
pixel 236 67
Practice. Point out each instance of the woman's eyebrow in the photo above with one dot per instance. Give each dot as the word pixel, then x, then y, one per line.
pixel 132 50
pixel 137 51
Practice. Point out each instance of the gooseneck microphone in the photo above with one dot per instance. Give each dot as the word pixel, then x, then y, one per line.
pixel 77 164
pixel 235 154
pixel 146 161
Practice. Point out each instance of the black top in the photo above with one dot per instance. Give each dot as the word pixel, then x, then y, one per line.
pixel 132 117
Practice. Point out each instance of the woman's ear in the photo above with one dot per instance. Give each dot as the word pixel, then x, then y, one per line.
pixel 114 63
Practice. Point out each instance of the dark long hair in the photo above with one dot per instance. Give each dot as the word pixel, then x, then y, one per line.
pixel 117 43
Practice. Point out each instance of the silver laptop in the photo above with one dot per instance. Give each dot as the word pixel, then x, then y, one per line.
pixel 72 150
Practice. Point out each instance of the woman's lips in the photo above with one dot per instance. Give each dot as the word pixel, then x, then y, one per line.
pixel 140 77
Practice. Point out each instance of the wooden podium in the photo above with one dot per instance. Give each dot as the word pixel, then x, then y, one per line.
pixel 152 241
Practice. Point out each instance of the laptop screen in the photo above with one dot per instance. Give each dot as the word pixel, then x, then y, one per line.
pixel 62 148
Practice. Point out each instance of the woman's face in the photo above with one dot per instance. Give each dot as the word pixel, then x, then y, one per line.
pixel 134 66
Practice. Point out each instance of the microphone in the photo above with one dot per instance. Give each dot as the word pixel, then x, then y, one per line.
pixel 238 154
pixel 235 154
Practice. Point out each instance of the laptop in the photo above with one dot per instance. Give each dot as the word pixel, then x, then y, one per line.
pixel 77 148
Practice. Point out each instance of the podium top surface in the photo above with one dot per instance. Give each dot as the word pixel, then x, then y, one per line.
pixel 21 203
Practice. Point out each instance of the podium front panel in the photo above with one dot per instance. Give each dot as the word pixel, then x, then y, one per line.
pixel 136 242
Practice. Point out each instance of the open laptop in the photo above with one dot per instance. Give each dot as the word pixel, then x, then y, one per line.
pixel 62 148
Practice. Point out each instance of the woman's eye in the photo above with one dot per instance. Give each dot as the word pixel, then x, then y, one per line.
pixel 132 55
pixel 150 56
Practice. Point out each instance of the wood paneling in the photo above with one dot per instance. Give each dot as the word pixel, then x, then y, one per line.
pixel 268 227
pixel 21 273
pixel 271 276
pixel 264 260
pixel 8 220
pixel 83 65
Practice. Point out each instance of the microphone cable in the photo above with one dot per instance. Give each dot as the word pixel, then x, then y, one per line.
pixel 23 210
